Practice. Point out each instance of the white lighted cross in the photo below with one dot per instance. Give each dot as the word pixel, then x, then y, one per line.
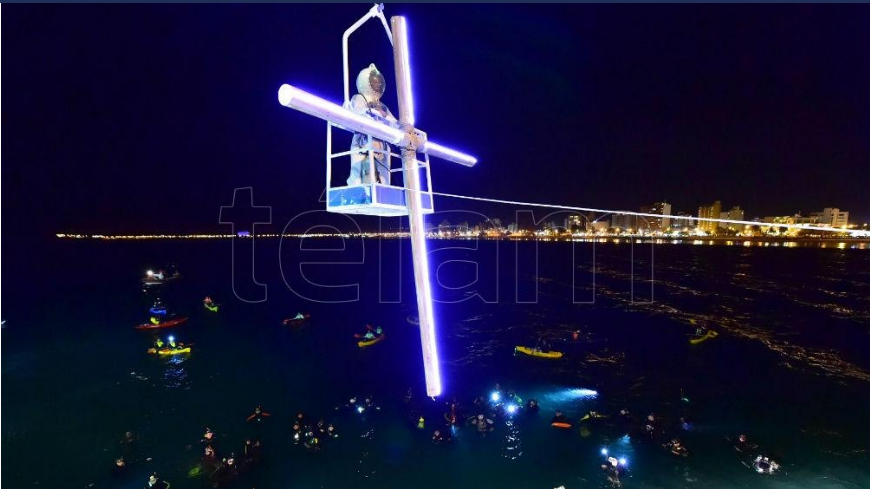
pixel 411 141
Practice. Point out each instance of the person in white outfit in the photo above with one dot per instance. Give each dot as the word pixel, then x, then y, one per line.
pixel 370 86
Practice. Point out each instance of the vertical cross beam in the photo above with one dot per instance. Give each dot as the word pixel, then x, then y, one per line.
pixel 411 174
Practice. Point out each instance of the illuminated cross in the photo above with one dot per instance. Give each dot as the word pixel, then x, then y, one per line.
pixel 411 141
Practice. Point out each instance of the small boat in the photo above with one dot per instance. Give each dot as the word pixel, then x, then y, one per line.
pixel 163 324
pixel 169 351
pixel 365 343
pixel 296 321
pixel 700 339
pixel 532 352
pixel 152 278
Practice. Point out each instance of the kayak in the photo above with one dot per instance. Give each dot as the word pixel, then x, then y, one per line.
pixel 165 324
pixel 701 339
pixel 157 281
pixel 212 308
pixel 589 416
pixel 296 321
pixel 540 354
pixel 365 343
pixel 564 426
pixel 169 351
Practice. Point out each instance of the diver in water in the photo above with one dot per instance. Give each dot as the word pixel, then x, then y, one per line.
pixel 421 423
pixel 155 483
pixel 677 448
pixel 208 437
pixel 650 428
pixel 593 416
pixel 559 418
pixel 742 444
pixel 258 414
pixel 452 414
pixel 479 403
pixel 532 406
pixel 482 424
pixel 514 398
pixel 297 432
pixel 313 443
pixel 765 465
pixel 120 467
pixel 441 436
pixel 330 431
pixel 252 450
pixel 612 470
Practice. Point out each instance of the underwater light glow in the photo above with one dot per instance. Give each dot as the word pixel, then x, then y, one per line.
pixel 623 461
pixel 512 408
pixel 604 451
pixel 495 396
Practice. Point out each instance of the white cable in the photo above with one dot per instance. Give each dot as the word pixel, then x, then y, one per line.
pixel 647 214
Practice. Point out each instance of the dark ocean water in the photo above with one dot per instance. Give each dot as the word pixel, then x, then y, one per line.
pixel 791 367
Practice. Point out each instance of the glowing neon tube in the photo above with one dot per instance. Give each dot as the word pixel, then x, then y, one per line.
pixel 294 98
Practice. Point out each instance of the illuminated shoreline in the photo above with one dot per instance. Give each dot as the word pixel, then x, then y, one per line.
pixel 760 241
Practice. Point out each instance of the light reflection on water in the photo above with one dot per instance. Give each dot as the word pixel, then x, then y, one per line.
pixel 175 376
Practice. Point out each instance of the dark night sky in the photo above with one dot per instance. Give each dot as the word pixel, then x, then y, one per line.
pixel 132 118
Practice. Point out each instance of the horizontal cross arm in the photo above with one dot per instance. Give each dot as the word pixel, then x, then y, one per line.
pixel 313 105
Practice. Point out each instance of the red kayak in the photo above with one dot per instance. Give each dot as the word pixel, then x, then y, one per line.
pixel 296 321
pixel 165 324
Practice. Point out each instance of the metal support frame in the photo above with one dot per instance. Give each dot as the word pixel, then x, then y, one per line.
pixel 410 141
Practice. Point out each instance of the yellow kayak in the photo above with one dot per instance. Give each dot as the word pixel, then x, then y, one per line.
pixel 700 339
pixel 365 343
pixel 169 351
pixel 536 353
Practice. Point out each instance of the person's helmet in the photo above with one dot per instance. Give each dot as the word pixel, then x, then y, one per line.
pixel 480 417
pixel 370 83
pixel 742 437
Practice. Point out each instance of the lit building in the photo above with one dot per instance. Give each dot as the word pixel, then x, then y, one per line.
pixel 735 214
pixel 713 211
pixel 652 224
pixel 832 216
pixel 684 224
pixel 575 222
pixel 623 222
pixel 599 226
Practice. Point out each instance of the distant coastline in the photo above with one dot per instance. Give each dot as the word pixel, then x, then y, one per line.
pixel 760 241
